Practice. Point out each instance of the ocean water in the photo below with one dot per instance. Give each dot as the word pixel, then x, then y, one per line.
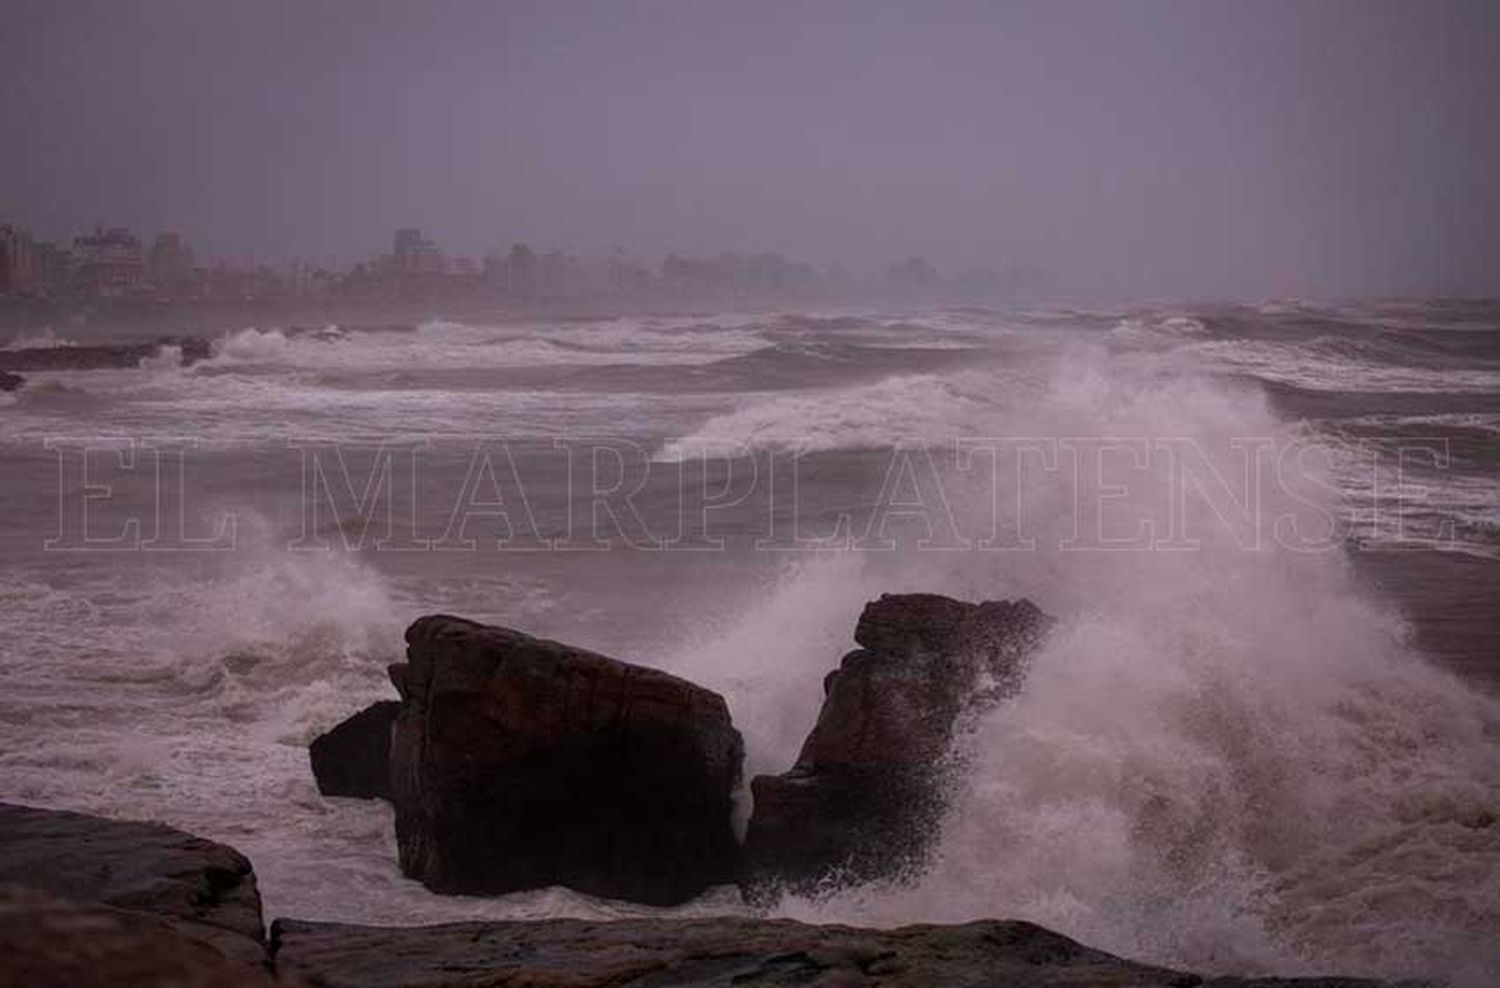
pixel 1264 737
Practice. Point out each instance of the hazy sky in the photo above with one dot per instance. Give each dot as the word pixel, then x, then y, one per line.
pixel 1128 148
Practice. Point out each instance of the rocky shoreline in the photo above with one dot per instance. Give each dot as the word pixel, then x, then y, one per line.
pixel 519 763
pixel 103 356
pixel 92 903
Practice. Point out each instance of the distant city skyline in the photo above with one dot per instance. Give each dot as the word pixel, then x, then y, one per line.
pixel 114 263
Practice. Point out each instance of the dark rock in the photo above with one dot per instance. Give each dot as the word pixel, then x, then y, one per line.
pixel 354 759
pixel 397 672
pixel 520 763
pixel 205 890
pixel 10 382
pixel 47 941
pixel 712 952
pixel 103 356
pixel 194 349
pixel 865 796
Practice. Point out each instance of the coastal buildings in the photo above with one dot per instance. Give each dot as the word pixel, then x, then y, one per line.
pixel 113 264
pixel 412 255
pixel 172 265
pixel 17 261
pixel 110 263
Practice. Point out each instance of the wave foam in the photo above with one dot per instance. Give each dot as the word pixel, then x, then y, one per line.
pixel 1316 367
pixel 450 345
pixel 1224 760
pixel 923 407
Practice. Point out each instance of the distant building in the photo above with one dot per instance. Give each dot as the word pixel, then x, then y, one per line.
pixel 56 268
pixel 111 263
pixel 18 274
pixel 913 274
pixel 413 255
pixel 521 269
pixel 408 240
pixel 171 263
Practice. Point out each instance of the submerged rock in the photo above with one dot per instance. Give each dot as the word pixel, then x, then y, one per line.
pixel 865 796
pixel 520 763
pixel 714 952
pixel 10 382
pixel 354 758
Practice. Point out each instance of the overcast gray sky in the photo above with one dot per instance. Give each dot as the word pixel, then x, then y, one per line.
pixel 1128 148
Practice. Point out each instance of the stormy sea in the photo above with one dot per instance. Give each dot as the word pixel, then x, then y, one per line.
pixel 1263 737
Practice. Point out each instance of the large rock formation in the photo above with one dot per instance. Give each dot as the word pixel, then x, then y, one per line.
pixel 520 763
pixel 866 793
pixel 354 758
pixel 715 952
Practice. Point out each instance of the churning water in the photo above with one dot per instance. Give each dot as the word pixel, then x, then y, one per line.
pixel 1263 737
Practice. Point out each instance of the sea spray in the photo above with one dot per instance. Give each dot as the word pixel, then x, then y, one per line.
pixel 1226 757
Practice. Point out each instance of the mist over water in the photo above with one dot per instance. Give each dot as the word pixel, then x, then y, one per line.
pixel 1233 753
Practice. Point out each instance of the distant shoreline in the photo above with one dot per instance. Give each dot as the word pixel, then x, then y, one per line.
pixel 195 317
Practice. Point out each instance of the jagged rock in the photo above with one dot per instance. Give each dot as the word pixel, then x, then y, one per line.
pixel 520 763
pixel 10 382
pixel 205 890
pixel 47 941
pixel 354 758
pixel 866 793
pixel 714 952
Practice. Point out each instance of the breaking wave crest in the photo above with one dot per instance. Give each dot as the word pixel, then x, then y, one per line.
pixel 451 345
pixel 927 407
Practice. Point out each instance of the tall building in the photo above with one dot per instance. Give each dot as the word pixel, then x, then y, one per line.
pixel 17 261
pixel 413 255
pixel 56 268
pixel 171 262
pixel 408 240
pixel 110 263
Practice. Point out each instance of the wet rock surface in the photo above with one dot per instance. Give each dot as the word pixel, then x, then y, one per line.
pixel 354 758
pixel 104 356
pixel 147 867
pixel 48 942
pixel 521 763
pixel 714 952
pixel 866 794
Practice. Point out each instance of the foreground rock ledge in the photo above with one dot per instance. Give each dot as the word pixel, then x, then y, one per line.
pixel 713 952
pixel 519 763
pixel 190 899
pixel 46 941
pixel 204 890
